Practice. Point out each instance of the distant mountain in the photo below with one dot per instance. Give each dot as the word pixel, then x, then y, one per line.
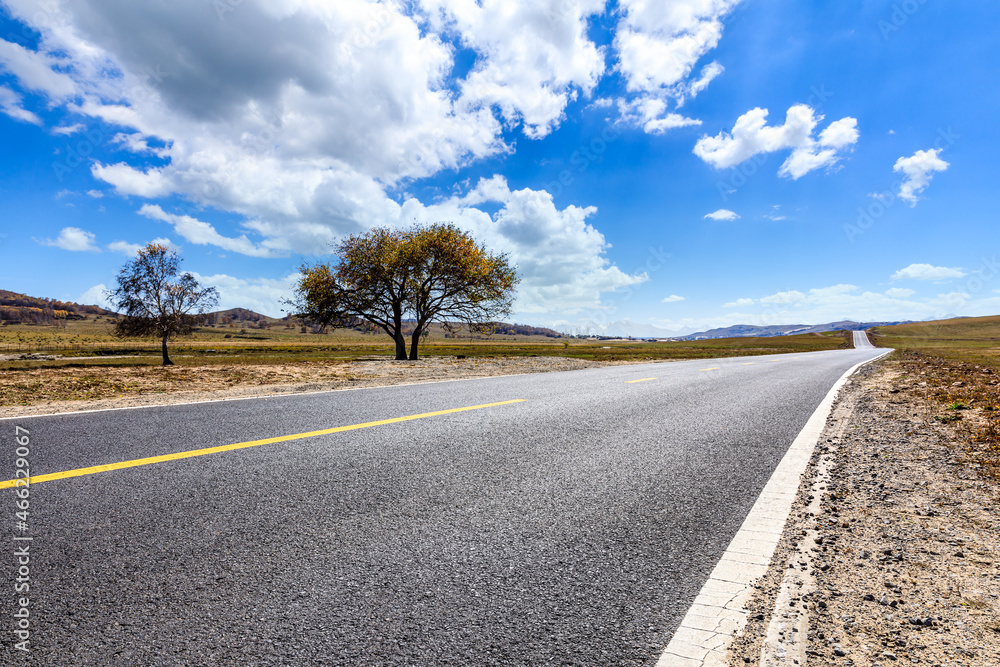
pixel 740 330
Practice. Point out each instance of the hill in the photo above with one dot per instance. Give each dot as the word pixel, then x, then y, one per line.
pixel 16 308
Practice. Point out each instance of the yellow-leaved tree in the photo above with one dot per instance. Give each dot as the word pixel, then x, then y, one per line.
pixel 420 275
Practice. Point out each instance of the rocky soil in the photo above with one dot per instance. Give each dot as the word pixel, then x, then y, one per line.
pixel 894 541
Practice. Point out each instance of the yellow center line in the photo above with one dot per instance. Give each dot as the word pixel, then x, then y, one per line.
pixel 749 363
pixel 642 380
pixel 93 470
pixel 714 368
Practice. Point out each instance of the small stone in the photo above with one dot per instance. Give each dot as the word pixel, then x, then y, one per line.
pixel 839 652
pixel 869 597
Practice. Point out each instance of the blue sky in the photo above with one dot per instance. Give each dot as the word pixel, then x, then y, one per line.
pixel 678 165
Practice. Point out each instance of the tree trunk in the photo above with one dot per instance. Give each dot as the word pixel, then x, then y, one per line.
pixel 414 341
pixel 400 346
pixel 166 359
pixel 397 323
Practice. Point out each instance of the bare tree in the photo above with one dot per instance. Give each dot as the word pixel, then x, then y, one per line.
pixel 154 301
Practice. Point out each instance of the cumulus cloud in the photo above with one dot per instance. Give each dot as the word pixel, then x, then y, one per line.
pixel 739 303
pixel 899 292
pixel 301 118
pixel 95 296
pixel 533 57
pixel 752 136
pixel 202 233
pixel 659 45
pixel 673 298
pixel 560 257
pixel 650 114
pixel 927 272
pixel 263 295
pixel 74 239
pixel 723 214
pixel 918 170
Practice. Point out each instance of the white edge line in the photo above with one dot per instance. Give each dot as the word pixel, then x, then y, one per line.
pixel 719 611
pixel 330 391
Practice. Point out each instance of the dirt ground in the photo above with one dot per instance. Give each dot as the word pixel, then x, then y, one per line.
pixel 894 551
pixel 52 390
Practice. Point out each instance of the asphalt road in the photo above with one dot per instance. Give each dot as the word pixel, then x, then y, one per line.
pixel 861 340
pixel 572 528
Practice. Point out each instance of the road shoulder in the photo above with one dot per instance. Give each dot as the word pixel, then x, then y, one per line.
pixel 890 552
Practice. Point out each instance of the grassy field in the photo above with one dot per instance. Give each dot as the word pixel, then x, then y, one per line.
pixel 974 340
pixel 90 343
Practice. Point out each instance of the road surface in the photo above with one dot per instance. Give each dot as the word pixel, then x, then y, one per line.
pixel 861 340
pixel 570 521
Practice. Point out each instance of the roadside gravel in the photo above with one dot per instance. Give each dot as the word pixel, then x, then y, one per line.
pixel 892 546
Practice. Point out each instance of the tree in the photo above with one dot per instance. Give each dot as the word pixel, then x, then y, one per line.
pixel 423 274
pixel 154 301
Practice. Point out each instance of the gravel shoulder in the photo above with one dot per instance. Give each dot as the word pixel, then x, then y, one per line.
pixel 42 392
pixel 890 553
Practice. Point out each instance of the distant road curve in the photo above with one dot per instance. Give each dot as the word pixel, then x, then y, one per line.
pixel 861 341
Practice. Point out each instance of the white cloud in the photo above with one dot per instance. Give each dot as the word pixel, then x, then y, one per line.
pixel 313 112
pixel 202 233
pixel 792 296
pixel 927 272
pixel 723 214
pixel 650 114
pixel 36 71
pixel 10 104
pixel 263 295
pixel 66 130
pixel 739 303
pixel 918 170
pixel 126 248
pixel 673 298
pixel 96 194
pixel 128 180
pixel 659 43
pixel 899 292
pixel 95 297
pixel 658 46
pixel 560 257
pixel 708 74
pixel 533 57
pixel 74 239
pixel 752 136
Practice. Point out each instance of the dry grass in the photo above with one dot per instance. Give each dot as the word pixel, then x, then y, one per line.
pixel 955 364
